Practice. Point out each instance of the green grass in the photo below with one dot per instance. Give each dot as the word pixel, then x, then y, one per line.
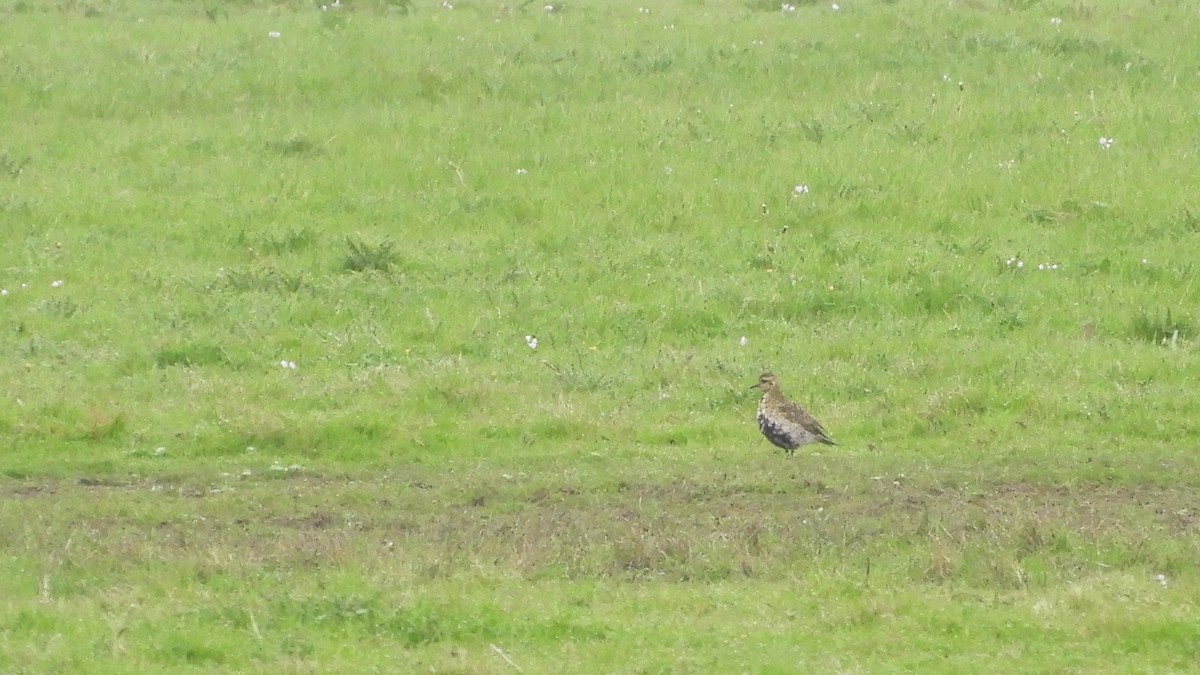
pixel 992 312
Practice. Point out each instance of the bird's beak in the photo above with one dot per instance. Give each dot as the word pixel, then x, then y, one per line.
pixel 753 386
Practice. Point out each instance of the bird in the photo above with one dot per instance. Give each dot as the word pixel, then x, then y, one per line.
pixel 784 423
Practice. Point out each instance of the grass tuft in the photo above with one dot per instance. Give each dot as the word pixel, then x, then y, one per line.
pixel 294 146
pixel 364 256
pixel 196 354
pixel 12 166
pixel 263 278
pixel 1162 328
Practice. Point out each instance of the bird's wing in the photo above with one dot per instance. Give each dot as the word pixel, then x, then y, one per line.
pixel 800 416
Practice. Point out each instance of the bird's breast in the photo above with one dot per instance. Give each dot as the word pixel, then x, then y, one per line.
pixel 777 432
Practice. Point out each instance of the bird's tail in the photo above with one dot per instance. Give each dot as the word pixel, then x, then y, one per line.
pixel 826 440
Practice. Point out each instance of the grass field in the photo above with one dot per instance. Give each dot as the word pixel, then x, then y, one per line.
pixel 401 337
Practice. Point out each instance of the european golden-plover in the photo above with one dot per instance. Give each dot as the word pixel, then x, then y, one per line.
pixel 783 422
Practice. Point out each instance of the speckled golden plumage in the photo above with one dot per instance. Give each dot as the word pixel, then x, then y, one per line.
pixel 784 423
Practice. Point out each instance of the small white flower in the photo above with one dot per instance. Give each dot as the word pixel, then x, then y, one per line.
pixel 159 452
pixel 834 7
pixel 643 10
pixel 3 291
pixel 550 8
pixel 801 189
pixel 787 8
pixel 743 341
pixel 291 365
pixel 521 172
pixel 1145 261
pixel 246 472
pixel 531 341
pixel 1041 266
pixel 1056 21
pixel 1020 263
pixel 57 283
pixel 273 34
pixel 1162 580
pixel 1106 143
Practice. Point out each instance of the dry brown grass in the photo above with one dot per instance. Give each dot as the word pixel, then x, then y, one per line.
pixel 688 529
pixel 290 568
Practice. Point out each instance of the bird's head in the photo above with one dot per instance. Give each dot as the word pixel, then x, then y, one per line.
pixel 766 382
